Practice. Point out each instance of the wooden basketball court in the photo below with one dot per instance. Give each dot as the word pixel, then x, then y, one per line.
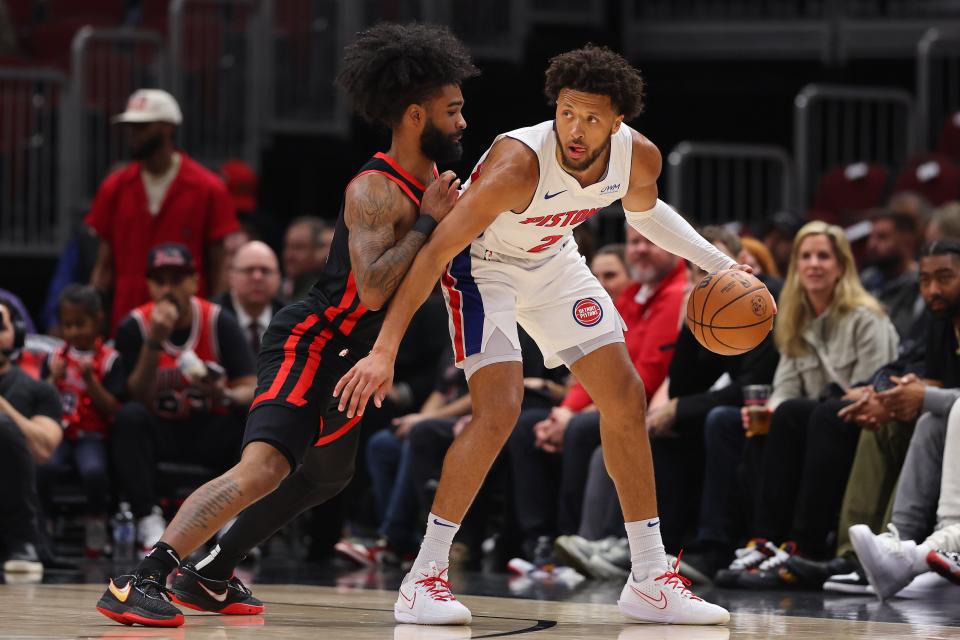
pixel 309 612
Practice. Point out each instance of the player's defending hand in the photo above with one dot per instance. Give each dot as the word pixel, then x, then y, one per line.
pixel 371 376
pixel 440 196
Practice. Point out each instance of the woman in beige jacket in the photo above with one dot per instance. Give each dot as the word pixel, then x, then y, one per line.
pixel 831 334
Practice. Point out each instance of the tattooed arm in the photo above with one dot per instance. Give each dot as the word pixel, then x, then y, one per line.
pixel 374 207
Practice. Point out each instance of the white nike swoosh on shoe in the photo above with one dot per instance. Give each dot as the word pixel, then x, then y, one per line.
pixel 219 597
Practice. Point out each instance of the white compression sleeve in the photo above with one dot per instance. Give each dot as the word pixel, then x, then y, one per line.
pixel 668 230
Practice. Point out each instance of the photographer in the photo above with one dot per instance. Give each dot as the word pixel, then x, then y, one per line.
pixel 192 378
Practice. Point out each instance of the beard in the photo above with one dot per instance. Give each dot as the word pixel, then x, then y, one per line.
pixel 438 146
pixel 949 309
pixel 147 148
pixel 585 163
pixel 647 274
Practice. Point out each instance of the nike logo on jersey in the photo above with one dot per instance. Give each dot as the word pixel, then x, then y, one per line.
pixel 443 524
pixel 120 594
pixel 660 603
pixel 549 195
pixel 564 219
pixel 219 597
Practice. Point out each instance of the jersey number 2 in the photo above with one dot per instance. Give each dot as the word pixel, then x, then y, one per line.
pixel 547 241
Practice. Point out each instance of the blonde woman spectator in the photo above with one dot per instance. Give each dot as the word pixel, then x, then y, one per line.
pixel 830 333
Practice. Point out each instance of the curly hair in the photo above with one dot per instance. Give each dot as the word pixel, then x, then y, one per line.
pixel 593 69
pixel 391 66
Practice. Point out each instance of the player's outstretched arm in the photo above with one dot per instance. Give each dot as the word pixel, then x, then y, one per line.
pixel 657 221
pixel 373 205
pixel 507 182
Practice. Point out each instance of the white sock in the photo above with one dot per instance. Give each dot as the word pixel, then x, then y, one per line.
pixel 436 544
pixel 920 558
pixel 646 547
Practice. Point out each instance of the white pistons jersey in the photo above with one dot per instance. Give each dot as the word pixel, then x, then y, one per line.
pixel 559 203
pixel 525 269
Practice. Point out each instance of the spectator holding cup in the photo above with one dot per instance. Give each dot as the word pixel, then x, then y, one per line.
pixel 830 333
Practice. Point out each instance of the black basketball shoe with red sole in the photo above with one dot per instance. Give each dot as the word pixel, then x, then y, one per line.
pixel 229 597
pixel 134 599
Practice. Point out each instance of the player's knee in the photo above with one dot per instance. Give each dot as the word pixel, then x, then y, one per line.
pixel 630 405
pixel 502 414
pixel 263 466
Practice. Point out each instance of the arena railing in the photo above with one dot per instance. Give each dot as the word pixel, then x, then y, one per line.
pixel 567 12
pixel 938 82
pixel 492 29
pixel 838 125
pixel 32 214
pixel 107 66
pixel 303 43
pixel 715 183
pixel 212 74
pixel 737 29
pixel 888 28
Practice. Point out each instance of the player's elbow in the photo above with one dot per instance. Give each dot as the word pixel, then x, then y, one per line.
pixel 372 300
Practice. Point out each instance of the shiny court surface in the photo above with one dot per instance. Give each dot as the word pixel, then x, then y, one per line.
pixel 318 612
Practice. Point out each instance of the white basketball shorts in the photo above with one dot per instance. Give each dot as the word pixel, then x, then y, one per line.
pixel 557 300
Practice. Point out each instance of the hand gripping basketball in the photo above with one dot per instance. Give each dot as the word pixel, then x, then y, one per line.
pixel 730 312
pixel 371 376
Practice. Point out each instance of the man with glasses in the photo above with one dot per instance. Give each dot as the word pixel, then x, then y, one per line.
pixel 254 283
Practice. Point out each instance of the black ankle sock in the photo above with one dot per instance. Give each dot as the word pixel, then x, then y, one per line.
pixel 222 566
pixel 159 563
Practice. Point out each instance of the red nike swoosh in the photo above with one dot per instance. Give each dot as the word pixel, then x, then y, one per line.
pixel 651 601
pixel 408 600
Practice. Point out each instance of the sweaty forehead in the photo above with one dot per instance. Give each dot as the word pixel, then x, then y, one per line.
pixel 583 100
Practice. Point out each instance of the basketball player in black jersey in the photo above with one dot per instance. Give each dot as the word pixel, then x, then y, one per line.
pixel 299 449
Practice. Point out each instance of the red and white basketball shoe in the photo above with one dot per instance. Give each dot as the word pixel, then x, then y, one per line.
pixel 425 598
pixel 663 597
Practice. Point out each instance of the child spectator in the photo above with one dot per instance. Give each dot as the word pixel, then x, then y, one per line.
pixel 89 377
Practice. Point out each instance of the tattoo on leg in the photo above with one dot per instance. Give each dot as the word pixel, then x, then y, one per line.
pixel 206 503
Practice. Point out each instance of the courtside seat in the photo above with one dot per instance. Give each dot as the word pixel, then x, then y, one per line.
pixel 846 192
pixel 949 142
pixel 932 175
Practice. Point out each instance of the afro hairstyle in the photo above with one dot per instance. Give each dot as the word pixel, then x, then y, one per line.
pixel 391 66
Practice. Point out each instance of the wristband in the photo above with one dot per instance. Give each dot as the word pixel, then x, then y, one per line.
pixel 425 224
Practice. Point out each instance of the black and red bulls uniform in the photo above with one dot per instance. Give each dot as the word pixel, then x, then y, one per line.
pixel 311 343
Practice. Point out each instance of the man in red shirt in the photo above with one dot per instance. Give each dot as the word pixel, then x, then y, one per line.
pixel 162 196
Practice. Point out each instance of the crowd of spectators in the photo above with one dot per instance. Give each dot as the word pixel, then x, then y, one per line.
pixel 149 366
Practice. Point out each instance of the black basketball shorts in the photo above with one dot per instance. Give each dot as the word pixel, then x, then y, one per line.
pixel 301 359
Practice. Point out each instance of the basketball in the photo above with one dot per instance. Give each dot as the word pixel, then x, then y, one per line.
pixel 730 312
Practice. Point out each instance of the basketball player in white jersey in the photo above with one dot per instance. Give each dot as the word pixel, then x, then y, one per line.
pixel 507 254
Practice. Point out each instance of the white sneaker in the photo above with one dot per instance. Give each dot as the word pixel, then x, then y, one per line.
pixel 927 586
pixel 887 560
pixel 425 598
pixel 663 597
pixel 150 528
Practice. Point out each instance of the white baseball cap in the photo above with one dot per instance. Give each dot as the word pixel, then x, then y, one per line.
pixel 150 105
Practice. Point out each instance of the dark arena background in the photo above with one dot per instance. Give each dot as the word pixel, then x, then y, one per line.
pixel 769 114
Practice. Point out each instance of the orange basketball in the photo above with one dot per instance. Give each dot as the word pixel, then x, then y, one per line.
pixel 730 312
